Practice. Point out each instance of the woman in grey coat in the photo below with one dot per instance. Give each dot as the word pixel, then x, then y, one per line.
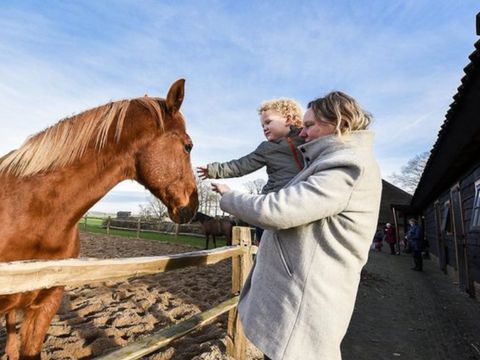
pixel 299 297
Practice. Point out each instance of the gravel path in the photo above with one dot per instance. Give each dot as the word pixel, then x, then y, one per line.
pixel 404 314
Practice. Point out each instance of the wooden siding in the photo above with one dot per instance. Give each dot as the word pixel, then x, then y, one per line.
pixel 467 188
pixel 467 191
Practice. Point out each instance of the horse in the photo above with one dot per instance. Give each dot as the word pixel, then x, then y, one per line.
pixel 59 173
pixel 214 227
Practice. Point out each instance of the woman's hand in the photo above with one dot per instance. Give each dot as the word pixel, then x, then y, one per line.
pixel 220 188
pixel 202 171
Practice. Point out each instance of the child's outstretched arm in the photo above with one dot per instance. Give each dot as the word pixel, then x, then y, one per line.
pixel 235 168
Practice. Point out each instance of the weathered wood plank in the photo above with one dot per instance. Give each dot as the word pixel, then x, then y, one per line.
pixel 158 340
pixel 241 265
pixel 21 276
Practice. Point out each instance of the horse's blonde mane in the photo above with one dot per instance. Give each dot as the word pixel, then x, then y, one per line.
pixel 66 141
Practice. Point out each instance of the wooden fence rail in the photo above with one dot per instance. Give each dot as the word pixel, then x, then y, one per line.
pixel 138 226
pixel 21 276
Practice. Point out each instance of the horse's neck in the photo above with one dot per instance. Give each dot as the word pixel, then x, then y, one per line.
pixel 204 218
pixel 69 192
pixel 95 178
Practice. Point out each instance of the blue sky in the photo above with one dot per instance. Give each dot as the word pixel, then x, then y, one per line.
pixel 403 61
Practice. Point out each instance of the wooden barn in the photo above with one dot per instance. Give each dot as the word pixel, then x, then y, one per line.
pixel 393 206
pixel 448 194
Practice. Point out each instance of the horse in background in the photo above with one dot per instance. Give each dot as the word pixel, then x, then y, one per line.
pixel 59 173
pixel 214 227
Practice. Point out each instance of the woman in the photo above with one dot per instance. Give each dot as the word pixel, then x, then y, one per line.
pixel 299 297
pixel 391 238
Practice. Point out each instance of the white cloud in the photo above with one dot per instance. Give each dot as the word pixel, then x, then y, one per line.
pixel 402 63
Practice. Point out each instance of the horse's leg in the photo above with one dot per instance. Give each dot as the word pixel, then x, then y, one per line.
pixel 36 320
pixel 206 241
pixel 11 348
pixel 214 241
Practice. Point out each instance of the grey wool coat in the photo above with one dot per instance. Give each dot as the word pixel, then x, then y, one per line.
pixel 276 155
pixel 299 297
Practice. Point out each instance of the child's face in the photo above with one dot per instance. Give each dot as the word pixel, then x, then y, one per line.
pixel 275 125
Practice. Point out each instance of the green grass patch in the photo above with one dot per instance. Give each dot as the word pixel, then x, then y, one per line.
pixel 95 226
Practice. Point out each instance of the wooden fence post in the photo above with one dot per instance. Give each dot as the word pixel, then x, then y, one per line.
pixel 139 226
pixel 108 225
pixel 85 223
pixel 241 265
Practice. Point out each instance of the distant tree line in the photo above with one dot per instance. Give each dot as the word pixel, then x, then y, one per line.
pixel 208 201
pixel 411 173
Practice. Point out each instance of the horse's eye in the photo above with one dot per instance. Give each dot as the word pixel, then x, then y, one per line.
pixel 188 147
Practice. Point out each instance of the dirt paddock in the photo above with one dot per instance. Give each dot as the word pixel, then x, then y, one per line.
pixel 97 319
pixel 399 313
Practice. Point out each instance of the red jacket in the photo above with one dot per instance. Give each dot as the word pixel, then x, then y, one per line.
pixel 390 236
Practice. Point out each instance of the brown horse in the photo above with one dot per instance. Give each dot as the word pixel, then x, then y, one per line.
pixel 58 174
pixel 214 227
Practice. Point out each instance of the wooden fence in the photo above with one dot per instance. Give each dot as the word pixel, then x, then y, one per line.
pixel 139 225
pixel 21 276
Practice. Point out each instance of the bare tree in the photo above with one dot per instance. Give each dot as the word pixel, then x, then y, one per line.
pixel 154 209
pixel 208 201
pixel 255 187
pixel 145 213
pixel 203 192
pixel 411 173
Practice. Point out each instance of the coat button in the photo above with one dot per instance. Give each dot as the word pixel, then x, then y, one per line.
pixel 307 159
pixel 302 150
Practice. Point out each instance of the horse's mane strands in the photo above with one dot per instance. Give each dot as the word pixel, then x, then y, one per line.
pixel 155 109
pixel 68 140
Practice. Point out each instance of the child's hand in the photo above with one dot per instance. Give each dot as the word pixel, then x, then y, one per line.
pixel 220 188
pixel 202 172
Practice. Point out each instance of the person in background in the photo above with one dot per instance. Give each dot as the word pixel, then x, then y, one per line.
pixel 378 240
pixel 299 297
pixel 281 122
pixel 391 238
pixel 415 238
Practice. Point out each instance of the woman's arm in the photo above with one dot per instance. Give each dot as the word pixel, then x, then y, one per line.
pixel 321 195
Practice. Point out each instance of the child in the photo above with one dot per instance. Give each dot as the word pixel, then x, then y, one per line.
pixel 281 120
pixel 377 239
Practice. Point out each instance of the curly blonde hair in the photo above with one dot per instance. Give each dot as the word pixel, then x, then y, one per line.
pixel 289 108
pixel 341 110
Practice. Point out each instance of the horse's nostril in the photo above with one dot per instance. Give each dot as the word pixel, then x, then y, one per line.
pixel 185 214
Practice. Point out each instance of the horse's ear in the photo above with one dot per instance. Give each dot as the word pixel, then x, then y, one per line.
pixel 175 96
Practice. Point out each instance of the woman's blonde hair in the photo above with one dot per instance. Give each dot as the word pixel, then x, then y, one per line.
pixel 289 108
pixel 341 110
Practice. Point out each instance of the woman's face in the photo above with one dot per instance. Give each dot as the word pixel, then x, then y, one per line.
pixel 313 128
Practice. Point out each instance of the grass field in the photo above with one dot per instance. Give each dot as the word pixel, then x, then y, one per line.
pixel 94 225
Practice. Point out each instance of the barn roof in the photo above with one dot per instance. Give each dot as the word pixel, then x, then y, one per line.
pixel 391 195
pixel 458 142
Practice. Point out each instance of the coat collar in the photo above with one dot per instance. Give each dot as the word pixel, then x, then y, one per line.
pixel 327 144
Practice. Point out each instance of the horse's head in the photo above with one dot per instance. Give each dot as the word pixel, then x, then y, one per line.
pixel 199 216
pixel 163 163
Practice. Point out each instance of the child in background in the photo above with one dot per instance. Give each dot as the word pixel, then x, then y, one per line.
pixel 281 121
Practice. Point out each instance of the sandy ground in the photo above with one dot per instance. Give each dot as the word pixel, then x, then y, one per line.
pixel 97 319
pixel 399 313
